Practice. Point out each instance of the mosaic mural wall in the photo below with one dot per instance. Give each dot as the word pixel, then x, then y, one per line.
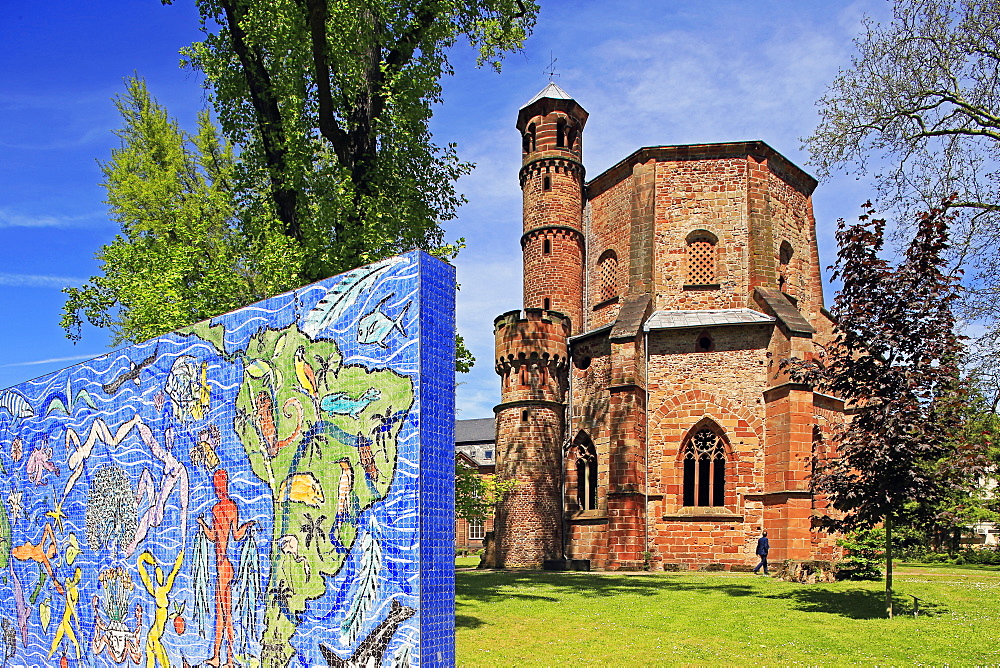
pixel 272 487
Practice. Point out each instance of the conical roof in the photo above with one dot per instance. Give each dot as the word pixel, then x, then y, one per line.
pixel 551 90
pixel 549 98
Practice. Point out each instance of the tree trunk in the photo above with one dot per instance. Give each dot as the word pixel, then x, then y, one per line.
pixel 888 565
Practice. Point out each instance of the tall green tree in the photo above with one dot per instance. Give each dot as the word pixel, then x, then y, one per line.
pixel 918 109
pixel 968 498
pixel 185 252
pixel 895 361
pixel 329 102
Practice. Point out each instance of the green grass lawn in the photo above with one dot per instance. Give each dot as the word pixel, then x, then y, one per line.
pixel 648 619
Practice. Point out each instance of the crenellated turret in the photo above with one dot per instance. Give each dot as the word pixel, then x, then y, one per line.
pixel 531 359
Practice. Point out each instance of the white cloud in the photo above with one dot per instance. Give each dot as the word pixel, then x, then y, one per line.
pixel 11 219
pixel 679 87
pixel 54 360
pixel 37 281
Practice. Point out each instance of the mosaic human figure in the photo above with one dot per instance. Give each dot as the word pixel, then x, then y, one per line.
pixel 65 627
pixel 225 524
pixel 158 589
pixel 175 474
pixel 42 552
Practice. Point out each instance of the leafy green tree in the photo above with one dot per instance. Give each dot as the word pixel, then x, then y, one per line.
pixel 476 495
pixel 185 252
pixel 329 102
pixel 895 361
pixel 865 551
pixel 968 498
pixel 919 109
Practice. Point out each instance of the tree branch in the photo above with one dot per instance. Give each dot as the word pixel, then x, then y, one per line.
pixel 317 14
pixel 268 117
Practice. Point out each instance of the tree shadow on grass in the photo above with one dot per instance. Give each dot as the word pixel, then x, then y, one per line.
pixel 855 603
pixel 500 585
pixel 468 622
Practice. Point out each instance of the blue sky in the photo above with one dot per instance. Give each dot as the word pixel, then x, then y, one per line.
pixel 649 73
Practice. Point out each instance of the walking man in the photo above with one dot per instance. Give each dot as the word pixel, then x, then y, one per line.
pixel 762 547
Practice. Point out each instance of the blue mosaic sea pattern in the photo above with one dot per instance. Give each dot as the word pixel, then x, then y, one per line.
pixel 269 488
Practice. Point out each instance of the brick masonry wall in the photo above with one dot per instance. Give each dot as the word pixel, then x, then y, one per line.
pixel 791 219
pixel 531 358
pixel 726 386
pixel 562 203
pixel 528 519
pixel 555 276
pixel 609 226
pixel 708 195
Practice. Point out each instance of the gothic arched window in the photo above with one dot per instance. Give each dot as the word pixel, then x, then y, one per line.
pixel 701 258
pixel 608 266
pixel 704 456
pixel 586 472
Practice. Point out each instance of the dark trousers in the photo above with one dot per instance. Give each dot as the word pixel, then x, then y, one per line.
pixel 763 562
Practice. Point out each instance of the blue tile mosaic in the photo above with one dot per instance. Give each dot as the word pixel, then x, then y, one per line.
pixel 273 487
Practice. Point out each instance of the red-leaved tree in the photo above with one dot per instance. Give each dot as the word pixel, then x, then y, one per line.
pixel 895 362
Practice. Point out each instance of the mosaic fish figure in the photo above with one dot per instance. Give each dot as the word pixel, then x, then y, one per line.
pixel 135 370
pixel 16 404
pixel 372 648
pixel 343 295
pixel 375 326
pixel 341 403
pixel 303 488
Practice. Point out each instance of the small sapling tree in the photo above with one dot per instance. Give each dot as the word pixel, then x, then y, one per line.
pixel 895 361
pixel 476 495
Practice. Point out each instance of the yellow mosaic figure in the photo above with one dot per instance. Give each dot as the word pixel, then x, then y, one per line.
pixel 66 624
pixel 155 652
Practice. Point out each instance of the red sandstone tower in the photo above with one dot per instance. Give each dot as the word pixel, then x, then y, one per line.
pixel 531 346
pixel 643 411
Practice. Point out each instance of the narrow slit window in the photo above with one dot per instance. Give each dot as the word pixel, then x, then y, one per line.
pixel 547 304
pixel 546 247
pixel 547 183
